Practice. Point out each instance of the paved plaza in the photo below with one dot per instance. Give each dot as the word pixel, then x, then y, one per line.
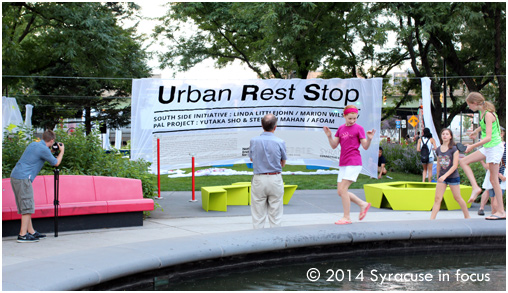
pixel 180 220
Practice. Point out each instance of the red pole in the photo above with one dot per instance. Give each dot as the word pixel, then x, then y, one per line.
pixel 193 181
pixel 159 166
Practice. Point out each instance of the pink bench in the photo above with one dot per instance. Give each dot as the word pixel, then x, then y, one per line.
pixel 81 196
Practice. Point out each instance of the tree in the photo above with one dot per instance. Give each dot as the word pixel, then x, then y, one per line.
pixel 83 42
pixel 467 36
pixel 466 123
pixel 275 40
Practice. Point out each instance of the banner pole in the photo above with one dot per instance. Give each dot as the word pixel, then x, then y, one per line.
pixel 193 180
pixel 159 167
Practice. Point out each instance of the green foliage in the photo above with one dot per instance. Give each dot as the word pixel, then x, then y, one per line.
pixel 83 156
pixel 13 146
pixel 76 41
pixel 478 171
pixel 402 158
pixel 469 36
pixel 467 122
pixel 288 38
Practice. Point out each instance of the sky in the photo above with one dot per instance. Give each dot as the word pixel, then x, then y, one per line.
pixel 204 70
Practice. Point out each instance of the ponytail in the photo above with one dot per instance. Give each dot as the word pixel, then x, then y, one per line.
pixel 488 106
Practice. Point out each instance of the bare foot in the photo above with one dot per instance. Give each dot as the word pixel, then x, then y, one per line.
pixel 474 195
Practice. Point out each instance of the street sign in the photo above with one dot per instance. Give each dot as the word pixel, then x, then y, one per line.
pixel 413 121
pixel 403 123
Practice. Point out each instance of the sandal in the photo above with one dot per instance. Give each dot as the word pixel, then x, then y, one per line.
pixel 343 222
pixel 364 213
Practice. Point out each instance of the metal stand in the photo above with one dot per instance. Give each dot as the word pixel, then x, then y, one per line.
pixel 56 202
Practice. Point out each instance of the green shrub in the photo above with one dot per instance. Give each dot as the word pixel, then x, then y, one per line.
pixel 402 158
pixel 13 146
pixel 478 171
pixel 83 156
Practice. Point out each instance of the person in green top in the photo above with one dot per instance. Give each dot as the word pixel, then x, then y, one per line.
pixel 491 150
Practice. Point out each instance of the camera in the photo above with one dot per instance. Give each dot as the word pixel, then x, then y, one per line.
pixel 56 148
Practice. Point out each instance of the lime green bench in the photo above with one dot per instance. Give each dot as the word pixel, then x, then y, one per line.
pixel 289 190
pixel 214 198
pixel 411 196
pixel 217 198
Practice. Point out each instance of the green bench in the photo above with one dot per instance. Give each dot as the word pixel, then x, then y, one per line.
pixel 411 196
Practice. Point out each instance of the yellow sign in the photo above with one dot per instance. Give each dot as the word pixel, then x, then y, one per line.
pixel 413 120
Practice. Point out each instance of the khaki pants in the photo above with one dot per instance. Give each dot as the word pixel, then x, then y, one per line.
pixel 267 192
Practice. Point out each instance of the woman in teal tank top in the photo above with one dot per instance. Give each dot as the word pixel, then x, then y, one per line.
pixel 491 150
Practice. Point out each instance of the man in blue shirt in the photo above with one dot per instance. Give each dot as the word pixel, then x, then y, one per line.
pixel 268 155
pixel 22 176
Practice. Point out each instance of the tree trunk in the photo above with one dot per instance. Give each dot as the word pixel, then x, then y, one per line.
pixel 88 120
pixel 500 70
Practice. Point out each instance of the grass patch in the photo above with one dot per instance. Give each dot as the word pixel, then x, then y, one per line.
pixel 304 182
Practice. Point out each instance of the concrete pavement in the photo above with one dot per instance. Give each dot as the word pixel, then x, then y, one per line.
pixel 181 220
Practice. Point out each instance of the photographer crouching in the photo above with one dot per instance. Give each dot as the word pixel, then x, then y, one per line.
pixel 24 173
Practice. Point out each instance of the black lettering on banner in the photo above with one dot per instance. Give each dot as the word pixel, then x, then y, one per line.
pixel 161 99
pixel 246 92
pixel 194 95
pixel 282 93
pixel 265 92
pixel 308 90
pixel 314 94
pixel 331 94
pixel 347 96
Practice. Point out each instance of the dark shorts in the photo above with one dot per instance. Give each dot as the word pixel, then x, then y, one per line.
pixel 24 194
pixel 452 181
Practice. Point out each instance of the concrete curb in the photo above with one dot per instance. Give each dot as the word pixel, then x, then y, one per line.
pixel 78 270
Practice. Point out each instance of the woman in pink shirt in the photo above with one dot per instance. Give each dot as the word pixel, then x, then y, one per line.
pixel 350 136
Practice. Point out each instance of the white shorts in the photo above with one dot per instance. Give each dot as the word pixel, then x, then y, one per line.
pixel 349 173
pixel 493 154
pixel 488 185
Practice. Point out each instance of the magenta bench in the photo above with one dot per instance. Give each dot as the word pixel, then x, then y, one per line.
pixel 86 202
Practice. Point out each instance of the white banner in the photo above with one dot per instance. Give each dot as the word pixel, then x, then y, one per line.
pixel 427 109
pixel 214 120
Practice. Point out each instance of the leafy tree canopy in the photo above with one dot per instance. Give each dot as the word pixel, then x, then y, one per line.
pixel 469 37
pixel 83 41
pixel 276 39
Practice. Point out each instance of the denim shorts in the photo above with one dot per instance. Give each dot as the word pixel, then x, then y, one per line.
pixel 493 194
pixel 452 181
